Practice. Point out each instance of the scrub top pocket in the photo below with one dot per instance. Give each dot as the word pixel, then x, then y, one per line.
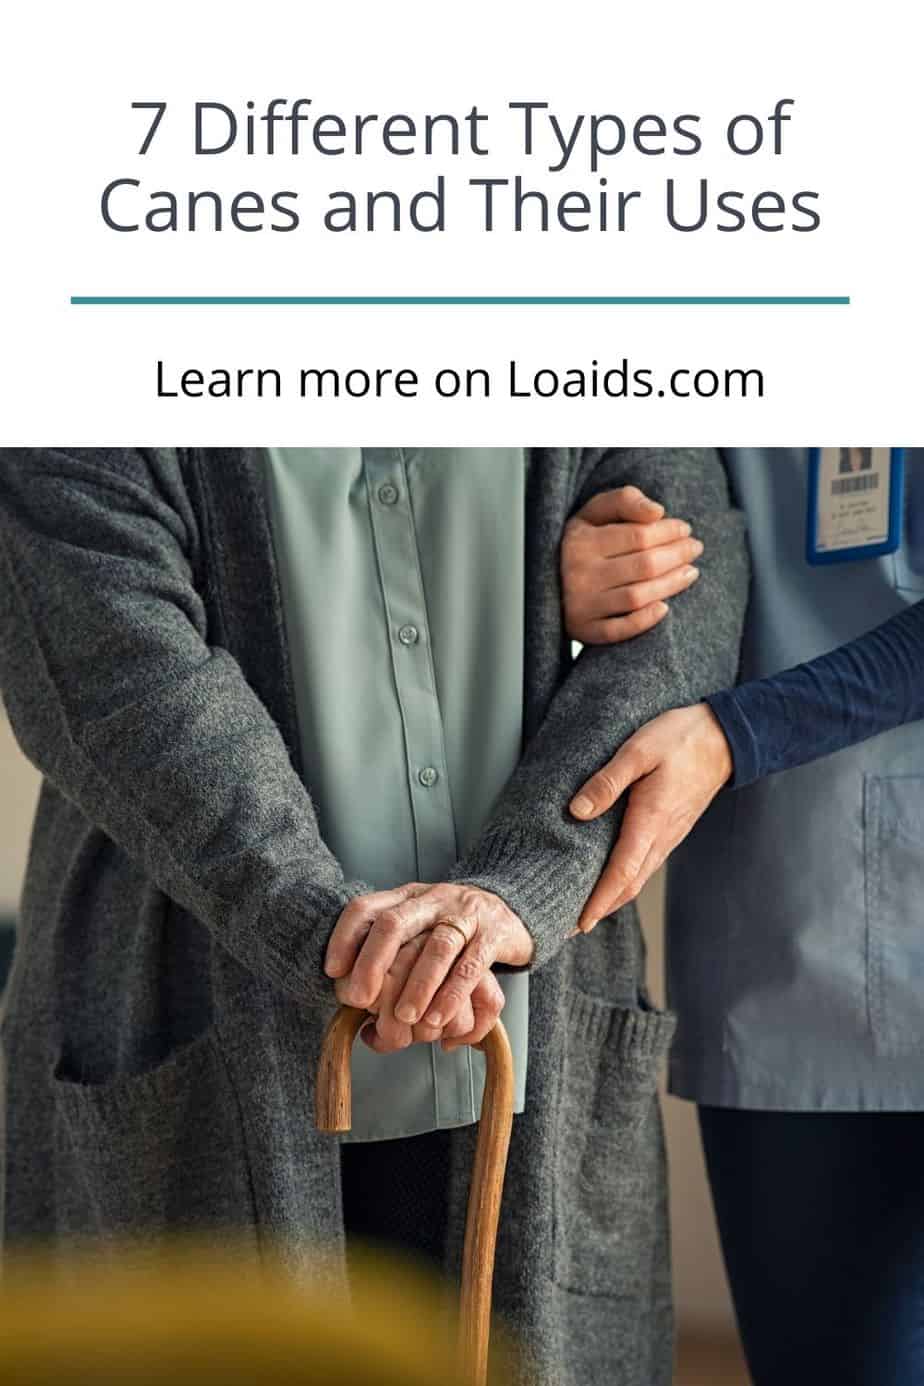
pixel 894 862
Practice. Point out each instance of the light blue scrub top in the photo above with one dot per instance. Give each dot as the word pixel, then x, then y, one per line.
pixel 796 908
pixel 402 574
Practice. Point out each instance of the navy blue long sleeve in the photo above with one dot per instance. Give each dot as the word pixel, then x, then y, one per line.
pixel 871 685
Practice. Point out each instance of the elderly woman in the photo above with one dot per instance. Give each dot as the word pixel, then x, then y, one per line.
pixel 279 700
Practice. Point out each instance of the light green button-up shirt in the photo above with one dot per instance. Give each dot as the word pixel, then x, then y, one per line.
pixel 402 580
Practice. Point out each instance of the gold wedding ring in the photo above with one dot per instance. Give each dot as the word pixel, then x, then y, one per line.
pixel 452 924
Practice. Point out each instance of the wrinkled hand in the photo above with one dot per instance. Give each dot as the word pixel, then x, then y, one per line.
pixel 421 956
pixel 620 562
pixel 675 766
pixel 477 1014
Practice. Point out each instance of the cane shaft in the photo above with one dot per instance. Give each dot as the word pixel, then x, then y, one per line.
pixel 484 1202
pixel 333 1095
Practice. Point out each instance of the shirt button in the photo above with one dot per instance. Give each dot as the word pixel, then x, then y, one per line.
pixel 408 635
pixel 388 493
pixel 428 776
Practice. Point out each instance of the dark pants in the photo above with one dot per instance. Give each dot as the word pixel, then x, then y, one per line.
pixel 821 1218
pixel 394 1194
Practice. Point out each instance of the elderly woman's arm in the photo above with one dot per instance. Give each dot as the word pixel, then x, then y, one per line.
pixel 534 860
pixel 116 694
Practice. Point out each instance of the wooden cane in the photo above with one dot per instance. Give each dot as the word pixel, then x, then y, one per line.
pixel 333 1112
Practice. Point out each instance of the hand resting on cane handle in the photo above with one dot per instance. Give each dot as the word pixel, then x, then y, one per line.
pixel 420 957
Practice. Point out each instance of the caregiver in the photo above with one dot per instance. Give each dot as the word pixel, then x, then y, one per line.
pixel 796 909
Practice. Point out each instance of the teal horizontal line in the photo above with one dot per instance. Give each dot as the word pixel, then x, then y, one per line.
pixel 445 300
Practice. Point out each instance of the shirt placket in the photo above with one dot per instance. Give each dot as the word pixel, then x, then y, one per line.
pixel 412 660
pixel 418 699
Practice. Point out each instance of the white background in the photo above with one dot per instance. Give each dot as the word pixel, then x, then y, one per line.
pixel 85 375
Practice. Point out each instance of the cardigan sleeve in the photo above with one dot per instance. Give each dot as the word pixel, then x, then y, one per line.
pixel 115 694
pixel 868 686
pixel 533 854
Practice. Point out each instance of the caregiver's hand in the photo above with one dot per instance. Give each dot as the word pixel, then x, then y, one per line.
pixel 673 768
pixel 465 931
pixel 620 562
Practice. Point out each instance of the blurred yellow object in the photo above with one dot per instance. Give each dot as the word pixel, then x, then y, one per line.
pixel 188 1315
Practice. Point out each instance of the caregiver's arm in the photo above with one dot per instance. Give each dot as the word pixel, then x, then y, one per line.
pixel 674 767
pixel 858 690
pixel 152 733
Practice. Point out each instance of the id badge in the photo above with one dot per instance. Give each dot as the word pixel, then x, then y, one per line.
pixel 854 503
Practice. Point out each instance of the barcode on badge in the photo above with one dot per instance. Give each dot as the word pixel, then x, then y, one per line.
pixel 846 485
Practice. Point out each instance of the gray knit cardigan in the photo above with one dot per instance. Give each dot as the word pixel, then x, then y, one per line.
pixel 163 1018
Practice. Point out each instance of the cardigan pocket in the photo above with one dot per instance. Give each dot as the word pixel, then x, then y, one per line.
pixel 156 1153
pixel 893 814
pixel 610 1181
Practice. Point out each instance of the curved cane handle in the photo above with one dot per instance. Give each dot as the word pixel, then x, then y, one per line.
pixel 333 1100
pixel 333 1094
